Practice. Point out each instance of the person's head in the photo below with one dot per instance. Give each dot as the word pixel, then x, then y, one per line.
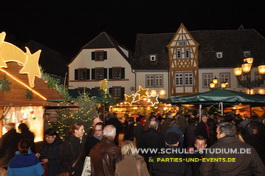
pixel 77 129
pixel 96 120
pixel 204 119
pixel 98 129
pixel 172 139
pixel 24 146
pixel 252 128
pixel 10 126
pixel 128 148
pixel 50 135
pixel 130 120
pixel 23 127
pixel 200 143
pixel 153 124
pixel 109 132
pixel 225 129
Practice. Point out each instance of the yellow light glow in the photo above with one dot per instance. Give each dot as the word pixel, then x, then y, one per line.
pixel 238 71
pixel 215 80
pixel 261 69
pixel 23 84
pixel 223 85
pixel 246 67
pixel 212 85
pixel 262 91
pixel 10 52
pixel 153 92
pixel 162 92
pixel 249 60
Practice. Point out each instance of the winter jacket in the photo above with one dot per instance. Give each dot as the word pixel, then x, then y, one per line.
pixel 246 160
pixel 52 152
pixel 22 165
pixel 72 147
pixel 104 156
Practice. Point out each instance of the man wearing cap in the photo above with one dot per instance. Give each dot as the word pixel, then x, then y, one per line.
pixel 170 162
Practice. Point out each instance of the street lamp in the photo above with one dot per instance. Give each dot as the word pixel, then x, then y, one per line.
pixel 214 84
pixel 243 74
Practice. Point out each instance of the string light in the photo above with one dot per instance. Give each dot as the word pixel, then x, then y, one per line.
pixel 23 84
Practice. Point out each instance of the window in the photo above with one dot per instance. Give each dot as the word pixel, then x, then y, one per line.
pixel 182 43
pixel 219 55
pixel 206 79
pixel 99 73
pixel 152 58
pixel 116 73
pixel 82 74
pixel 184 79
pixel 178 54
pixel 187 53
pixel 154 80
pixel 246 53
pixel 117 93
pixel 225 78
pixel 99 55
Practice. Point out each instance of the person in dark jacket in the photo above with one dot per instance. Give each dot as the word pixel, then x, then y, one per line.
pixel 244 159
pixel 190 133
pixel 128 131
pixel 25 162
pixel 26 133
pixel 50 153
pixel 9 144
pixel 105 154
pixel 150 139
pixel 203 129
pixel 162 165
pixel 138 129
pixel 73 151
pixel 92 140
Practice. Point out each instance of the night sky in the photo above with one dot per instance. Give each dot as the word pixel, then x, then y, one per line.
pixel 68 26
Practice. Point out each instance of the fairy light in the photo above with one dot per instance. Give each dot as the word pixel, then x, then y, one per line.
pixel 17 80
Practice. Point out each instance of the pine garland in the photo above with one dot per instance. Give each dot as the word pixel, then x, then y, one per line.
pixel 5 84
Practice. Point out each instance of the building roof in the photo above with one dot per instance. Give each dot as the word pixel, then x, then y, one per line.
pixel 104 40
pixel 19 85
pixel 231 42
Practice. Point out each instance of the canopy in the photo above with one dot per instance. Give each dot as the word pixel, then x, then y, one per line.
pixel 220 95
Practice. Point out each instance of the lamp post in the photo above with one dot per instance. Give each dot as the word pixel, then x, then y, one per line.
pixel 243 74
pixel 214 84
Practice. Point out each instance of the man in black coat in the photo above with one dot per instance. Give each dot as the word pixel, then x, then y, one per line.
pixel 92 140
pixel 149 140
pixel 117 124
pixel 170 163
pixel 244 159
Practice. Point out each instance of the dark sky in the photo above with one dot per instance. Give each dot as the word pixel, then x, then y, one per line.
pixel 67 26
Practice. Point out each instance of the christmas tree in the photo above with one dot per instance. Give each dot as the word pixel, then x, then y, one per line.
pixel 85 113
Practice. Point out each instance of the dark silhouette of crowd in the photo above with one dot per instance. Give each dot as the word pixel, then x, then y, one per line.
pixel 160 144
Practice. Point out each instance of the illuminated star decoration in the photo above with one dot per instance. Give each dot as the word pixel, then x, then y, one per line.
pixel 31 67
pixel 129 98
pixel 153 100
pixel 142 92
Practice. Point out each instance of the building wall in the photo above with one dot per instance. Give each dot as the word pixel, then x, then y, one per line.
pixel 141 80
pixel 114 59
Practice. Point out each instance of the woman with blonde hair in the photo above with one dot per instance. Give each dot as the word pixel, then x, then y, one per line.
pixel 132 163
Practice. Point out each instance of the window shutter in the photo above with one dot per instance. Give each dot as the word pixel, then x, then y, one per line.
pixel 110 73
pixel 105 73
pixel 110 91
pixel 122 93
pixel 88 74
pixel 105 55
pixel 93 55
pixel 122 73
pixel 76 74
pixel 93 74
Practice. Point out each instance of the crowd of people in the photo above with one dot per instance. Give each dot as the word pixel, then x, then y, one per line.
pixel 146 146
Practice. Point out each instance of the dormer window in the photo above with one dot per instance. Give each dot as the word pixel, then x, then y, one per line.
pixel 182 43
pixel 246 53
pixel 219 55
pixel 152 58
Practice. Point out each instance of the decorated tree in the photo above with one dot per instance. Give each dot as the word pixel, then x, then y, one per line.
pixel 85 113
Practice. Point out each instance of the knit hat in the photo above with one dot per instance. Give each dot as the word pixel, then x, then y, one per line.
pixel 172 138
